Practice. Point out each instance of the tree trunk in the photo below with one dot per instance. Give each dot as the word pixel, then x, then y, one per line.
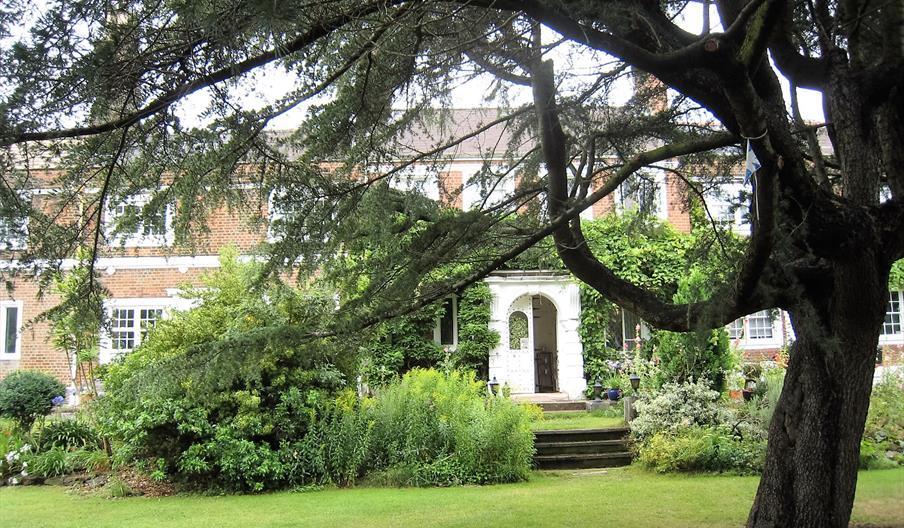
pixel 810 474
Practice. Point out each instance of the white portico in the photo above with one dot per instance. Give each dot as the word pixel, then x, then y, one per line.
pixel 537 314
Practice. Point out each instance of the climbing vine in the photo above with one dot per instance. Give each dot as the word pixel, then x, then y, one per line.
pixel 475 338
pixel 401 344
pixel 896 278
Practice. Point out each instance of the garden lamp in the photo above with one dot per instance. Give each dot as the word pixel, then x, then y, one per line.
pixel 635 381
pixel 494 386
pixel 597 390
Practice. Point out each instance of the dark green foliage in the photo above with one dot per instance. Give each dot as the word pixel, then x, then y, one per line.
pixel 702 449
pixel 883 438
pixel 400 345
pixel 26 396
pixel 475 338
pixel 674 265
pixel 407 342
pixel 215 396
pixel 702 354
pixel 441 429
pixel 68 434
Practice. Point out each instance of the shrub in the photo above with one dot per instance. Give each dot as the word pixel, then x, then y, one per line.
pixel 441 429
pixel 883 436
pixel 701 354
pixel 701 449
pixel 222 395
pixel 68 434
pixel 26 396
pixel 677 406
pixel 51 463
pixel 89 460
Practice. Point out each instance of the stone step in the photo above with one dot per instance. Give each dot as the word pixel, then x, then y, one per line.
pixel 590 447
pixel 553 406
pixel 600 460
pixel 580 435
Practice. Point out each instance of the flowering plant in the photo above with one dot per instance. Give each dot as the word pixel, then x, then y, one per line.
pixel 13 465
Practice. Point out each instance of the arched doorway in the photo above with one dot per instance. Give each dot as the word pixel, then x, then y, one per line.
pixel 545 345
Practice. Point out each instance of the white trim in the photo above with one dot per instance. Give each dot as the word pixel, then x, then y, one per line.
pixel 134 263
pixel 19 308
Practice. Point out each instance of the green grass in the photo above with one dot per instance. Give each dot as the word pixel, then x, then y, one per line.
pixel 580 420
pixel 620 497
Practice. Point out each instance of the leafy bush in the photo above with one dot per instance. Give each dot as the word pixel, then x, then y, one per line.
pixel 26 396
pixel 701 449
pixel 89 460
pixel 441 429
pixel 68 434
pixel 51 463
pixel 396 346
pixel 883 436
pixel 678 406
pixel 701 354
pixel 14 452
pixel 222 395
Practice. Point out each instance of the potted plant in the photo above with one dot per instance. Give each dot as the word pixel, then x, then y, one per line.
pixel 615 388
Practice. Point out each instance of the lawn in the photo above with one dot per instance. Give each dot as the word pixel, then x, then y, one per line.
pixel 580 420
pixel 619 497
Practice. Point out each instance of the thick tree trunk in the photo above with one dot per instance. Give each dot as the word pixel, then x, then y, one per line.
pixel 810 474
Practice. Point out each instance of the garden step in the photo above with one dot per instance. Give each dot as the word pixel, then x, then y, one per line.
pixel 553 406
pixel 580 435
pixel 589 447
pixel 621 458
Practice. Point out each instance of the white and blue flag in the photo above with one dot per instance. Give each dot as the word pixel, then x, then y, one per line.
pixel 752 164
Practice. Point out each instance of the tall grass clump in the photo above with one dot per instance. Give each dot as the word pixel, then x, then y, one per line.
pixel 434 428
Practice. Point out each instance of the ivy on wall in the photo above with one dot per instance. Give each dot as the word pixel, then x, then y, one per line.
pixel 402 344
pixel 518 329
pixel 475 338
pixel 896 278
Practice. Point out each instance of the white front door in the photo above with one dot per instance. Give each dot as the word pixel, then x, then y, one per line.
pixel 520 346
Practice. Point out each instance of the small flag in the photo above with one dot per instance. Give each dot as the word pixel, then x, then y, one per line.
pixel 752 165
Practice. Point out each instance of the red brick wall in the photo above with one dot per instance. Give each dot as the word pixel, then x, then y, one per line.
pixel 36 350
pixel 676 195
pixel 450 186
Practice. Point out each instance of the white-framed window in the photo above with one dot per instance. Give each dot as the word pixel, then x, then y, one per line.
pixel 446 330
pixel 416 179
pixel 643 192
pixel 286 210
pixel 130 320
pixel 736 329
pixel 13 226
pixel 10 329
pixel 727 206
pixel 485 186
pixel 759 325
pixel 626 331
pixel 128 225
pixel 762 329
pixel 893 314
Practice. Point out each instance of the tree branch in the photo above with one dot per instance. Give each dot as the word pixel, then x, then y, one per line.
pixel 720 310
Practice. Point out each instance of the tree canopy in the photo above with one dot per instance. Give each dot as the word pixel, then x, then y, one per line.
pixel 100 90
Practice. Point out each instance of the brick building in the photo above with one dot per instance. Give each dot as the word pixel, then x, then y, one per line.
pixel 142 271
